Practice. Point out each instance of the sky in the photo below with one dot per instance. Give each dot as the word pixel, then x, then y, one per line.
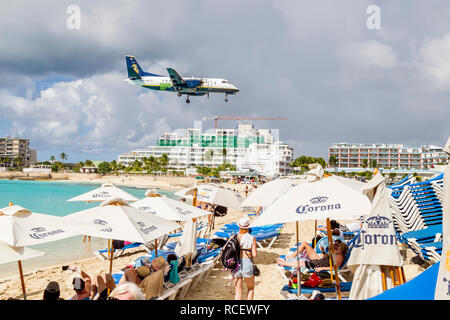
pixel 340 71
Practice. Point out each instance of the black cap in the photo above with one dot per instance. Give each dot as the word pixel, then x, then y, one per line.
pixel 52 287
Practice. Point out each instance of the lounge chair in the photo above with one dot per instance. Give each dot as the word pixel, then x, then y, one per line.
pixel 103 254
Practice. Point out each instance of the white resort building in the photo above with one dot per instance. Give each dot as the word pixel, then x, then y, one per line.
pixel 388 156
pixel 246 148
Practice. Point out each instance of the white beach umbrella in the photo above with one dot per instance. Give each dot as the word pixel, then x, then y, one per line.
pixel 266 194
pixel 20 227
pixel 116 219
pixel 186 193
pixel 318 198
pixel 443 279
pixel 376 247
pixel 216 195
pixel 188 240
pixel 17 254
pixel 107 191
pixel 169 209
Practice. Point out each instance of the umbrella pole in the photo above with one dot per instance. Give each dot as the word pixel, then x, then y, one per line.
pixel 299 276
pixel 383 278
pixel 111 258
pixel 315 234
pixel 156 248
pixel 22 280
pixel 332 264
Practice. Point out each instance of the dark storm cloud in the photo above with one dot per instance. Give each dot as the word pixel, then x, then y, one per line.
pixel 314 62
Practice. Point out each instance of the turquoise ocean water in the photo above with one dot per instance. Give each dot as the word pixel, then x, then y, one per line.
pixel 51 197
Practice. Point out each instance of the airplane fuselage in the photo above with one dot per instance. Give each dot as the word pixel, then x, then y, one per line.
pixel 208 85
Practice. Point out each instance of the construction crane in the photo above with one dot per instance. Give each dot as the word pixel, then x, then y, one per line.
pixel 216 118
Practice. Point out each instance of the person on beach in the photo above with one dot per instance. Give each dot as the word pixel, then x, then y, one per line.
pixel 81 284
pixel 316 261
pixel 244 270
pixel 126 291
pixel 52 291
pixel 135 275
pixel 102 285
pixel 335 229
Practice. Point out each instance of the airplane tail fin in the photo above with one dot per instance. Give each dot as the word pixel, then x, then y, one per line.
pixel 135 71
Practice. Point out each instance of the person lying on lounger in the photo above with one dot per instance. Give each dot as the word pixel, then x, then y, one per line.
pixel 316 261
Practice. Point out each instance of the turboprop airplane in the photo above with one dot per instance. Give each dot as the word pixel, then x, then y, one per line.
pixel 175 83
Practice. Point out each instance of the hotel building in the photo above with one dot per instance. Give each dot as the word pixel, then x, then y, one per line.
pixel 13 148
pixel 246 148
pixel 388 156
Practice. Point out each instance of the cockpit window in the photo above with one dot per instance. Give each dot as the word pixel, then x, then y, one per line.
pixel 225 81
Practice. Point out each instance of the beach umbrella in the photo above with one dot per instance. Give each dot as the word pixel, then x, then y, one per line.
pixel 17 254
pixel 116 219
pixel 319 198
pixel 107 191
pixel 20 227
pixel 375 259
pixel 169 209
pixel 316 199
pixel 443 280
pixel 266 194
pixel 213 194
pixel 187 245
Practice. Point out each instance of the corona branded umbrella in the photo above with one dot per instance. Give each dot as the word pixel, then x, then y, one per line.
pixel 116 219
pixel 20 227
pixel 107 191
pixel 13 254
pixel 442 291
pixel 375 259
pixel 318 198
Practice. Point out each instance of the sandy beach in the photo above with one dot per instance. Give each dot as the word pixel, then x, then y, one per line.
pixel 218 286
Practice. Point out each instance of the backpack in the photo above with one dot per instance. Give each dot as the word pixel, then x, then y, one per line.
pixel 231 253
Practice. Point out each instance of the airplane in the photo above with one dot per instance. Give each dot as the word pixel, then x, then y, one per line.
pixel 175 83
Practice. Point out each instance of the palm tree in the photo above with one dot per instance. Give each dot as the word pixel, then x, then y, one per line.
pixel 364 163
pixel 52 159
pixel 224 154
pixel 63 156
pixel 18 160
pixel 333 161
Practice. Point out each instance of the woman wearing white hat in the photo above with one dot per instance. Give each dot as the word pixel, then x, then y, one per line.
pixel 244 271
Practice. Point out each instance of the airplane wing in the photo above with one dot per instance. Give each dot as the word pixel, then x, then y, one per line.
pixel 177 80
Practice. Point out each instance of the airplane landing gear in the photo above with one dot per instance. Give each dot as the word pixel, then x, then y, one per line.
pixel 179 94
pixel 226 97
pixel 187 100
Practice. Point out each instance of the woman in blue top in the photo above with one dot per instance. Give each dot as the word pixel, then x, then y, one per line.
pixel 244 270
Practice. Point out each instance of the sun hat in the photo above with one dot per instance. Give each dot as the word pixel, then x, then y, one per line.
pixel 52 287
pixel 143 271
pixel 159 262
pixel 244 223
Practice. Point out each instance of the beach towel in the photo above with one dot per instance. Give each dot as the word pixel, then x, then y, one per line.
pixel 152 285
pixel 173 274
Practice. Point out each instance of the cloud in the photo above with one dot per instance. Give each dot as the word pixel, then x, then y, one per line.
pixel 315 63
pixel 368 54
pixel 435 63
